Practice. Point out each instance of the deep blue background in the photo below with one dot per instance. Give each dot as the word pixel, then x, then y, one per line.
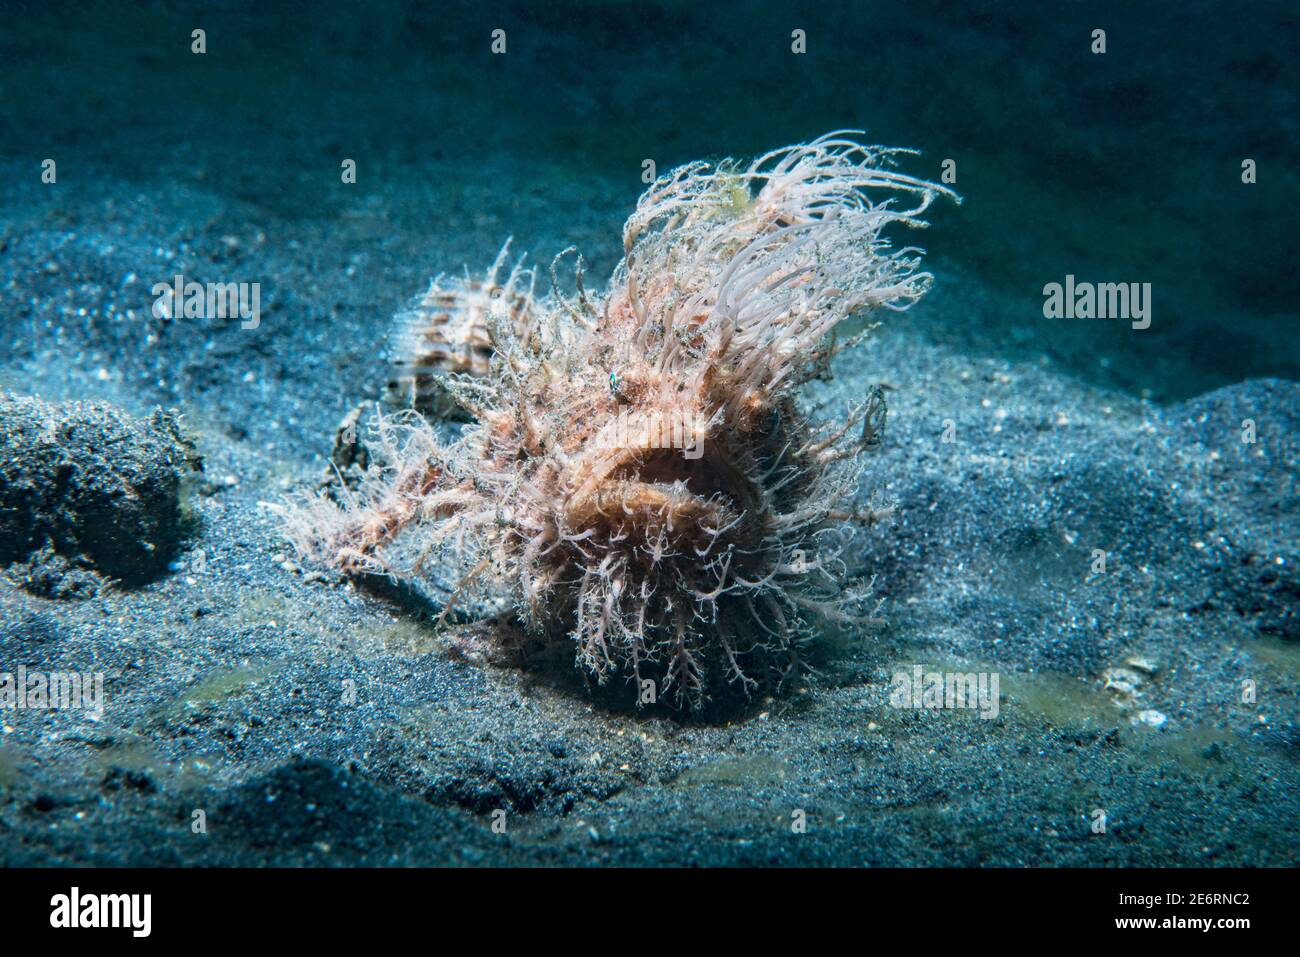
pixel 1121 167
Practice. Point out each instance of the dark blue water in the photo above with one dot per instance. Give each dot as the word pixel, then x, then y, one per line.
pixel 1117 167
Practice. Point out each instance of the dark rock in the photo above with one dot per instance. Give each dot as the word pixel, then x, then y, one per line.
pixel 86 488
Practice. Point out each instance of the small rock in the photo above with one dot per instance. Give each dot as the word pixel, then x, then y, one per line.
pixel 1144 665
pixel 85 488
pixel 1125 682
pixel 1151 718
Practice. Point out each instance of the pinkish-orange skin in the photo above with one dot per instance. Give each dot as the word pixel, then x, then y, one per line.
pixel 356 552
pixel 692 571
pixel 646 495
pixel 592 494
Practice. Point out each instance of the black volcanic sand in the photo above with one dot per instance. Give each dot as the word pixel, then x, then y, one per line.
pixel 227 673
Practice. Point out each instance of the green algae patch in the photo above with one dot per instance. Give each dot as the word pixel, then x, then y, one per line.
pixel 1283 656
pixel 263 606
pixel 403 636
pixel 10 771
pixel 223 683
pixel 215 687
pixel 753 770
pixel 1059 700
pixel 1198 749
pixel 137 754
